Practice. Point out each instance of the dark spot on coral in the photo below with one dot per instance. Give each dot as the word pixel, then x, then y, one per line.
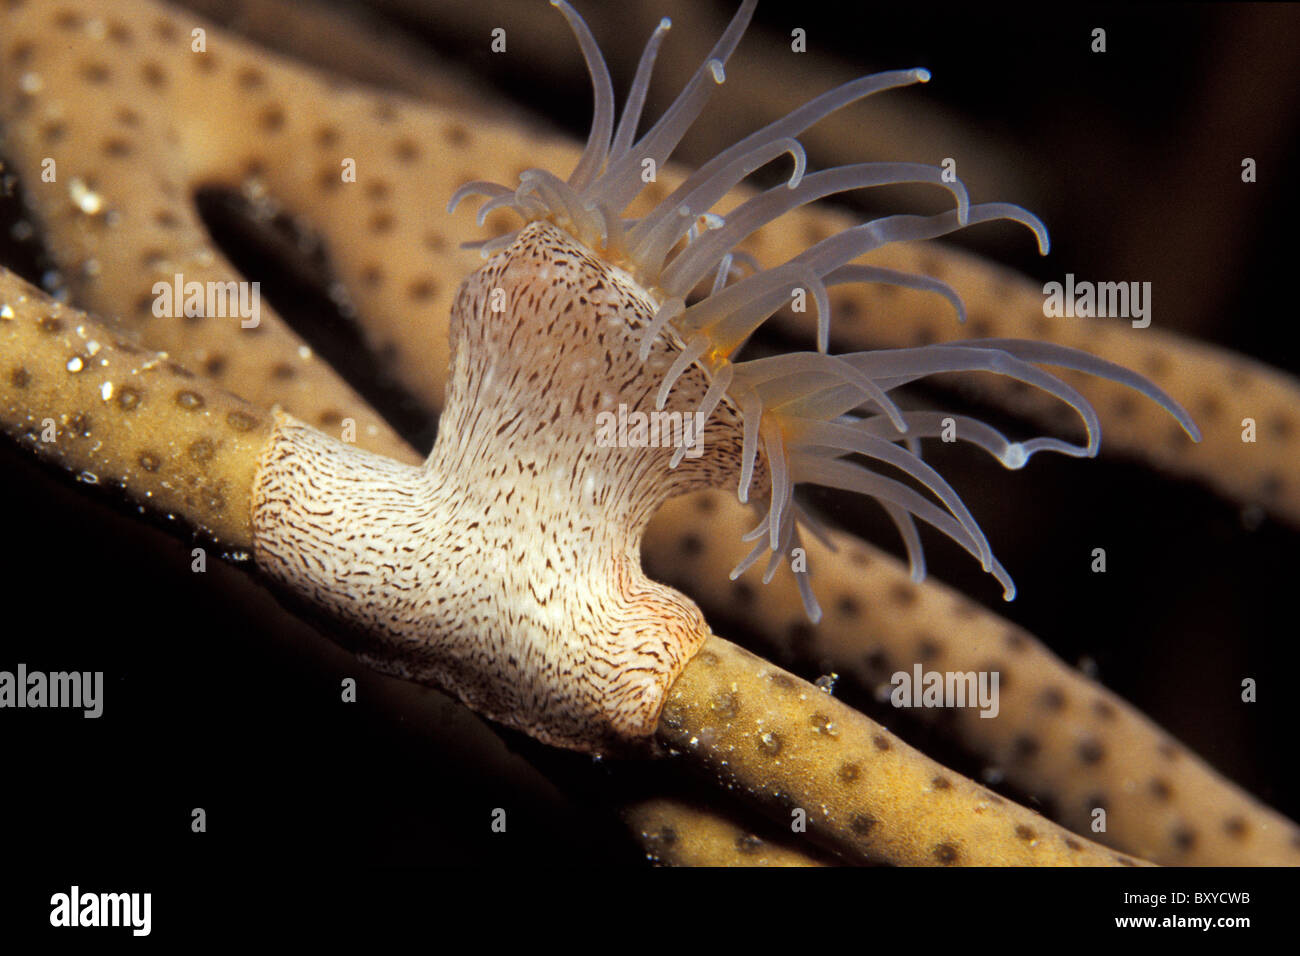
pixel 1025 833
pixel 1104 709
pixel 381 222
pixel 180 371
pixel 769 743
pixel 1167 749
pixel 1125 861
pixel 877 661
pixel 166 219
pixel 904 595
pixel 1156 364
pixel 725 704
pixel 421 290
pixel 691 544
pixel 406 150
pixel 214 366
pixel 190 401
pixel 20 377
pixel 148 461
pixel 748 843
pixel 1015 640
pixel 1160 788
pixel 1091 751
pixel 783 681
pixel 117 147
pixel 455 134
pixel 201 450
pixel 861 824
pixel 272 119
pixel 128 117
pixel 165 30
pixel 946 854
pixel 848 606
pixel 154 75
pixel 881 742
pixel 823 724
pixel 814 232
pixel 1024 747
pixel 849 772
pixel 1072 844
pixel 1235 827
pixel 1184 838
pixel 1095 801
pixel 707 658
pixel 250 78
pixel 1053 698
pixel 54 132
pixel 68 20
pixel 928 648
pixel 79 425
pixel 49 324
pixel 743 592
pixel 329 178
pixel 283 371
pixel 128 398
pixel 96 73
pixel 241 421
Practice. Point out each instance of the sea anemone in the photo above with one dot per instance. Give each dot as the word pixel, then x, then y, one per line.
pixel 808 417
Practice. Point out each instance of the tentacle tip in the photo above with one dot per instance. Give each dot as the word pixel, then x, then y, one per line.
pixel 814 614
pixel 1009 593
pixel 665 24
pixel 717 71
pixel 1015 457
pixel 922 74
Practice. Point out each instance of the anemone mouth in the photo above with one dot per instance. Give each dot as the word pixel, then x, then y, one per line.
pixel 809 416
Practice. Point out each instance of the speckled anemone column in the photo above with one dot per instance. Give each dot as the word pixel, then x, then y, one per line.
pixel 507 568
pixel 1058 735
pixel 790 747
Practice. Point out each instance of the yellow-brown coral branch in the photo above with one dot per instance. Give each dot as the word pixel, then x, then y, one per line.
pixel 1058 735
pixel 113 413
pixel 677 833
pixel 807 757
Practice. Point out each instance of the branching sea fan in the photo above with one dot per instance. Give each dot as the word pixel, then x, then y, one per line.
pixel 807 417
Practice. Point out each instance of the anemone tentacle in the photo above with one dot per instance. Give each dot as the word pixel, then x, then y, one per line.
pixel 808 417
